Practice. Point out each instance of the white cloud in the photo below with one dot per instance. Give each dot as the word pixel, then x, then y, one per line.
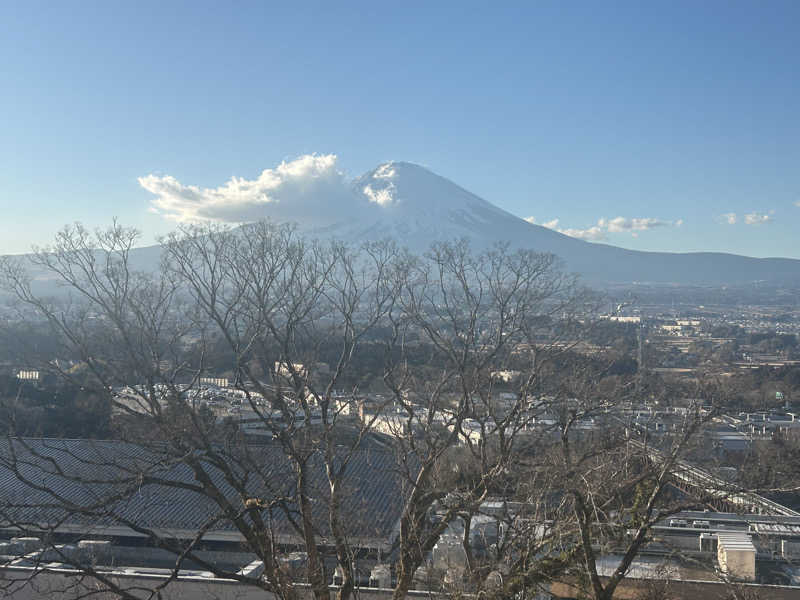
pixel 309 186
pixel 757 218
pixel 753 218
pixel 553 224
pixel 593 234
pixel 621 224
pixel 797 203
pixel 605 226
pixel 312 189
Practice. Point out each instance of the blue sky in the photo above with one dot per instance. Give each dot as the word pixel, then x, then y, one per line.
pixel 665 112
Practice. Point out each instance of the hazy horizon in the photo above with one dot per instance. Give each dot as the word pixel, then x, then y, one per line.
pixel 658 127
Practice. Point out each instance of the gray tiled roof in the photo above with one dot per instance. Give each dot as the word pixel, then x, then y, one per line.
pixel 101 484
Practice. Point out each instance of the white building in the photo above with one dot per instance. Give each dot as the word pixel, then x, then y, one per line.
pixel 736 555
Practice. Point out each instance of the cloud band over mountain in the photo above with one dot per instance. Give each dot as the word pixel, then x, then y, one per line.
pixel 312 189
pixel 309 187
pixel 600 231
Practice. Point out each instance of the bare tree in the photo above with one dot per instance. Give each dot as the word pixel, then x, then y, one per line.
pixel 476 395
pixel 604 480
pixel 273 299
pixel 476 315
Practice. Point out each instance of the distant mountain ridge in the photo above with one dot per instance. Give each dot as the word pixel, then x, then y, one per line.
pixel 416 207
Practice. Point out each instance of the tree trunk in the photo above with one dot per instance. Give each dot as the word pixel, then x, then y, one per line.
pixel 465 542
pixel 316 568
pixel 405 577
pixel 342 553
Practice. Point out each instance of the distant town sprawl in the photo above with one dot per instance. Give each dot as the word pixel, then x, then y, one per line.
pixel 272 416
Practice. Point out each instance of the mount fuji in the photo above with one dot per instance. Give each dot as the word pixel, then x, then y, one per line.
pixel 417 207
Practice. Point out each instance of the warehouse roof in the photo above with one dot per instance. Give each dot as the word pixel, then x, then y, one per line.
pixel 86 485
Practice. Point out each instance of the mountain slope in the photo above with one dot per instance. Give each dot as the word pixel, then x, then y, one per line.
pixel 418 207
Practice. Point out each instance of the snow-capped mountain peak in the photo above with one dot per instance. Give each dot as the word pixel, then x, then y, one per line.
pixel 404 184
pixel 417 207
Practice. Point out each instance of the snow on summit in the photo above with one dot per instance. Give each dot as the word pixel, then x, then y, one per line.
pixel 416 207
pixel 395 199
pixel 415 187
pixel 381 188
